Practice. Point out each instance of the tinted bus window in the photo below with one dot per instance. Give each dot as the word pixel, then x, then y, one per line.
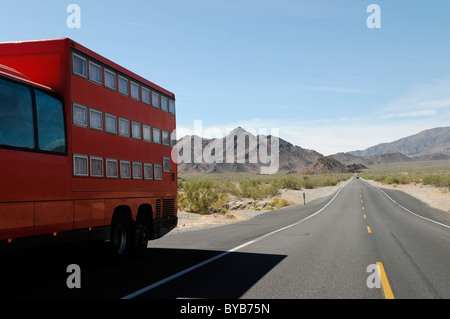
pixel 79 65
pixel 171 107
pixel 110 79
pixel 164 105
pixel 16 115
pixel 50 121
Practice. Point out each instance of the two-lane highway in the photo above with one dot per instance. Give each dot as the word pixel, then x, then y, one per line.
pixel 362 242
pixel 327 250
pixel 412 240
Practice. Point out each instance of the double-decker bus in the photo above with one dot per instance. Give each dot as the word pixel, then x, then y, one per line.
pixel 85 149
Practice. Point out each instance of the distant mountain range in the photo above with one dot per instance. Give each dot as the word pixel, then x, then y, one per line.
pixel 290 157
pixel 429 145
pixel 388 158
pixel 432 141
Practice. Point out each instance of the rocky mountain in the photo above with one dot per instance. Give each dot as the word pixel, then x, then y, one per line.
pixel 389 158
pixel 436 140
pixel 428 145
pixel 201 156
pixel 347 158
pixel 329 165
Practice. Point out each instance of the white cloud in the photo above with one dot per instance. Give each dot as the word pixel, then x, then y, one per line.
pixel 425 97
pixel 410 114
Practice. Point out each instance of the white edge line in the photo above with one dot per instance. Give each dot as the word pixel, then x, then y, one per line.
pixel 187 270
pixel 430 220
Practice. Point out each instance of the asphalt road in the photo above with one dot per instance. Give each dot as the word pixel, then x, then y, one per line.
pixel 362 242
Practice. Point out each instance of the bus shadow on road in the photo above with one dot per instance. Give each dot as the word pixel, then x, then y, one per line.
pixel 228 277
pixel 42 273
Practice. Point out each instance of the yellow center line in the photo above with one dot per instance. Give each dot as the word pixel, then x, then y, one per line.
pixel 364 216
pixel 361 201
pixel 363 208
pixel 387 291
pixel 369 230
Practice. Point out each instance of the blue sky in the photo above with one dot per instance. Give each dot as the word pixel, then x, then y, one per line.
pixel 312 69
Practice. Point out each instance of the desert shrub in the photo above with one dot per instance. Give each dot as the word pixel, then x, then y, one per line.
pixel 272 191
pixel 392 180
pixel 403 179
pixel 278 203
pixel 438 180
pixel 288 182
pixel 329 181
pixel 204 195
pixel 307 182
pixel 198 196
pixel 446 181
pixel 258 188
pixel 249 189
pixel 380 179
pixel 227 187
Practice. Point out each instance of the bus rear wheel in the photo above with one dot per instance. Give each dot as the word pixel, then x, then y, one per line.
pixel 141 235
pixel 120 237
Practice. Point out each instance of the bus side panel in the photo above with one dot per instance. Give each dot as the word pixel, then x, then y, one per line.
pixel 16 220
pixel 53 217
pixel 89 213
pixel 30 176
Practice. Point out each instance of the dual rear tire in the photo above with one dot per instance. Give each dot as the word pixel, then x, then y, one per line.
pixel 128 237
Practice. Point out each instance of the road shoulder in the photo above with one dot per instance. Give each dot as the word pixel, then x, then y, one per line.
pixel 434 197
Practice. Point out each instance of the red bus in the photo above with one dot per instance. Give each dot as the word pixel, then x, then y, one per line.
pixel 85 149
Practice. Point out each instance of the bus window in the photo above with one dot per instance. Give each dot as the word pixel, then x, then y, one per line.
pixel 134 90
pixel 125 169
pixel 166 164
pixel 50 121
pixel 164 104
pixel 155 99
pixel 158 172
pixel 95 73
pixel 165 138
pixel 124 127
pixel 111 168
pixel 172 107
pixel 110 123
pixel 148 171
pixel 110 79
pixel 145 95
pixel 16 115
pixel 78 65
pixel 123 85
